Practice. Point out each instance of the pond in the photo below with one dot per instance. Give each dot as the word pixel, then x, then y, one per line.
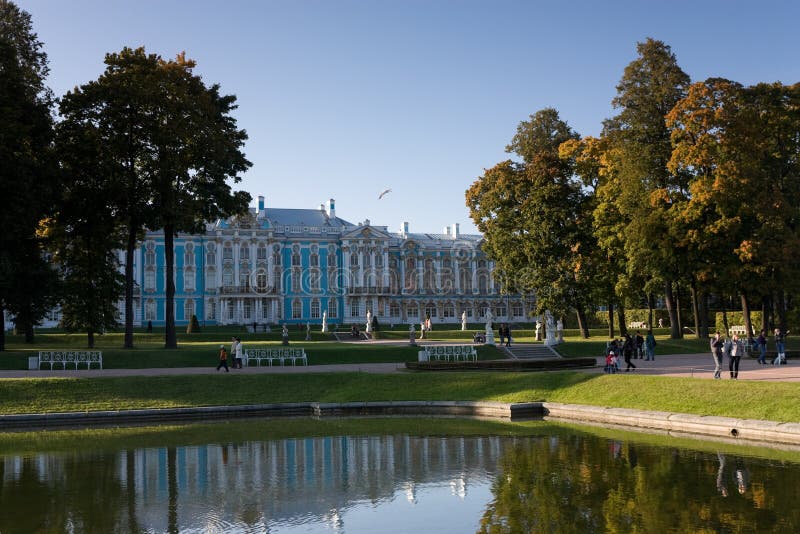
pixel 390 475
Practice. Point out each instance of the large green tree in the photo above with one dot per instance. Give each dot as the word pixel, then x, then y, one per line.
pixel 536 218
pixel 170 146
pixel 27 282
pixel 642 189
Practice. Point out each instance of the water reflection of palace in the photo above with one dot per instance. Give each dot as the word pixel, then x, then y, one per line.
pixel 284 481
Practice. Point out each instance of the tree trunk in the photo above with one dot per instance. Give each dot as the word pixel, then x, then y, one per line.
pixel 623 325
pixel 170 337
pixel 725 321
pixel 2 327
pixel 610 320
pixel 704 326
pixel 649 311
pixel 28 328
pixel 748 324
pixel 674 323
pixel 780 304
pixel 582 325
pixel 695 308
pixel 129 251
pixel 90 338
pixel 765 311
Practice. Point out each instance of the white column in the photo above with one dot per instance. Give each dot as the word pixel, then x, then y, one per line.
pixel 360 276
pixel 420 273
pixel 236 245
pixel 402 272
pixel 457 274
pixel 386 281
pixel 372 266
pixel 270 267
pixel 473 266
pixel 346 266
pixel 437 264
pixel 218 263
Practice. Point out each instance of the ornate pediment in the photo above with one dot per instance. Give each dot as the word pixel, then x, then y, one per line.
pixel 244 221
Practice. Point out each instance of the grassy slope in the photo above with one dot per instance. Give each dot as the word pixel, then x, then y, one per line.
pixel 756 400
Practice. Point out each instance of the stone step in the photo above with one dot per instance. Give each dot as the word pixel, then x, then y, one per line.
pixel 530 352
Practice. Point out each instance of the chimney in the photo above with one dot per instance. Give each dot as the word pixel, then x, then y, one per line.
pixel 404 229
pixel 260 203
pixel 331 209
pixel 446 230
pixel 455 230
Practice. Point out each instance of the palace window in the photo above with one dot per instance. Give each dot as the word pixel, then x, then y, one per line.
pixel 516 309
pixel 355 308
pixel 313 260
pixel 227 252
pixel 150 310
pixel 188 254
pixel 211 310
pixel 394 309
pixel 211 254
pixel 333 309
pixel 247 309
pixel 244 252
pixel 262 252
pixel 188 309
pixel 315 313
pixel 150 280
pixel 188 280
pixel 211 278
pixel 449 310
pixel 261 280
pixel 297 276
pixel 297 309
pixel 412 310
pixel 430 310
pixel 227 277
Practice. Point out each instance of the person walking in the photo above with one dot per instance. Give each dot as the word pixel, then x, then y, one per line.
pixel 639 345
pixel 508 336
pixel 780 347
pixel 234 344
pixel 716 351
pixel 223 359
pixel 735 355
pixel 627 351
pixel 237 356
pixel 762 347
pixel 650 346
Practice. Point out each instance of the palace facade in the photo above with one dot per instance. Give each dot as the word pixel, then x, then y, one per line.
pixel 275 265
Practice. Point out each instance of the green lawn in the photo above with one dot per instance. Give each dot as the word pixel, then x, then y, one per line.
pixel 746 399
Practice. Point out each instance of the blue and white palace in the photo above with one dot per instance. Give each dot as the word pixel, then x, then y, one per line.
pixel 276 265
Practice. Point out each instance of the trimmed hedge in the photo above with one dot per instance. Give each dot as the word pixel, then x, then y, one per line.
pixel 550 364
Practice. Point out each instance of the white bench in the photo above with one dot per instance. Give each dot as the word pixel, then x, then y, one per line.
pixel 275 355
pixel 638 324
pixel 76 357
pixel 738 329
pixel 448 353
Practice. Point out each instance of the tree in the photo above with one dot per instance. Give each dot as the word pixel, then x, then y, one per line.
pixel 197 150
pixel 27 282
pixel 169 147
pixel 643 189
pixel 536 220
pixel 85 231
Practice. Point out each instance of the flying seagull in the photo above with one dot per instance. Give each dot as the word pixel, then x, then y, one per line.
pixel 383 193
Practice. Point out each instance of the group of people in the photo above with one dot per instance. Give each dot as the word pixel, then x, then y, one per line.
pixel 780 347
pixel 731 348
pixel 630 348
pixel 236 354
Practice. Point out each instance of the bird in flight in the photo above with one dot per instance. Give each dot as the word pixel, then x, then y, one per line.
pixel 384 193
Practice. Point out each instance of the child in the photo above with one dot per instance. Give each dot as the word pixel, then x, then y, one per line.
pixel 610 363
pixel 223 359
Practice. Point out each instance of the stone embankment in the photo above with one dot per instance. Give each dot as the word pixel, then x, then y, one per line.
pixel 699 425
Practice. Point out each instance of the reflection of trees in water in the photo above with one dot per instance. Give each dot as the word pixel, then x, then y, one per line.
pixel 33 504
pixel 583 484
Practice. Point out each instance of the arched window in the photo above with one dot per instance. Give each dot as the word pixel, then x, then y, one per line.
pixel 262 252
pixel 188 279
pixel 211 278
pixel 150 279
pixel 244 252
pixel 333 309
pixel 297 309
pixel 412 310
pixel 211 309
pixel 150 310
pixel 394 309
pixel 188 254
pixel 227 252
pixel 315 313
pixel 227 277
pixel 188 309
pixel 211 254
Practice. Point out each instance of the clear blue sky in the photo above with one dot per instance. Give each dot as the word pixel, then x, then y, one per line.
pixel 346 98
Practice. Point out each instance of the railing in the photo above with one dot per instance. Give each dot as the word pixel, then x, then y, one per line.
pixel 255 290
pixel 369 290
pixel 71 357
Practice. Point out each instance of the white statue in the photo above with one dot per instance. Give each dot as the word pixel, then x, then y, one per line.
pixel 489 331
pixel 422 329
pixel 538 330
pixel 308 331
pixel 549 329
pixel 325 321
pixel 369 322
pixel 464 320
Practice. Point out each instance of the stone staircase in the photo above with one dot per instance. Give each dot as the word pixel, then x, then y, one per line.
pixel 529 351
